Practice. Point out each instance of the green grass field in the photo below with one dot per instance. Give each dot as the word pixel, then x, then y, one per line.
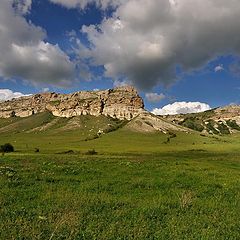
pixel 138 186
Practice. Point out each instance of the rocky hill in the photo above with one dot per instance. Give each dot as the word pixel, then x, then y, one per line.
pixel 120 103
pixel 224 120
pixel 46 111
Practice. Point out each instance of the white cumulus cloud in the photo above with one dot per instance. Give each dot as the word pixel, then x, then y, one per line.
pixel 219 68
pixel 24 52
pixel 154 97
pixel 6 94
pixel 143 41
pixel 182 108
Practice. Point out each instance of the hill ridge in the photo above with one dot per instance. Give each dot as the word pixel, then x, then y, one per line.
pixel 220 121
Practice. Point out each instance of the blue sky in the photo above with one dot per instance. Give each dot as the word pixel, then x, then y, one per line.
pixel 101 44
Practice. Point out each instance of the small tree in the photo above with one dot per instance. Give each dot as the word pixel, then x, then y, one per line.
pixel 7 147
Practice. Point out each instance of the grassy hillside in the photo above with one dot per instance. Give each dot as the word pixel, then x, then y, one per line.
pixel 120 141
pixel 105 135
pixel 138 186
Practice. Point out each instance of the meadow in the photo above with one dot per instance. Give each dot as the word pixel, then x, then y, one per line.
pixel 136 186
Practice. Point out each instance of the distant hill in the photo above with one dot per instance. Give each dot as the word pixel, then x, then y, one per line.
pixel 224 120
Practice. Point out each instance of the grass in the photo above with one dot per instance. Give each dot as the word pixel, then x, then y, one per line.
pixel 188 195
pixel 134 186
pixel 118 142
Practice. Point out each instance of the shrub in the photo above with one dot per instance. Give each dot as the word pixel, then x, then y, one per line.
pixel 37 150
pixel 7 147
pixel 211 128
pixel 233 124
pixel 89 138
pixel 192 123
pixel 91 152
pixel 167 141
pixel 223 129
pixel 172 135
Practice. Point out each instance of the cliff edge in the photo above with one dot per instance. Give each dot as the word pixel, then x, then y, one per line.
pixel 120 103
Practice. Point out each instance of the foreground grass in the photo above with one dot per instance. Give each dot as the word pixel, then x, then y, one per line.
pixel 192 194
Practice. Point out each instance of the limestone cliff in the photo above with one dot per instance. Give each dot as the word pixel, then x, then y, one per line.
pixel 120 103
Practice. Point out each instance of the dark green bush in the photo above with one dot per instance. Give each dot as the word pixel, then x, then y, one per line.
pixel 210 127
pixel 7 147
pixel 37 150
pixel 192 123
pixel 233 124
pixel 223 129
pixel 172 135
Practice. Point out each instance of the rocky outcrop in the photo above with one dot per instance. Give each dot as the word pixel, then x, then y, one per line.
pixel 228 112
pixel 121 103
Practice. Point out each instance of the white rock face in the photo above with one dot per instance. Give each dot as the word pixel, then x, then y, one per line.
pixel 121 103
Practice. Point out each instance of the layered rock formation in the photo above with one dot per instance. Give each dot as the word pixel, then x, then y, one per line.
pixel 121 103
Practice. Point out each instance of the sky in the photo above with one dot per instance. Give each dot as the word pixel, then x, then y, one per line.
pixel 181 55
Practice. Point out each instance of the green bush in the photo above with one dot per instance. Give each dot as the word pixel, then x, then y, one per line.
pixel 7 147
pixel 210 127
pixel 37 150
pixel 223 129
pixel 192 123
pixel 172 135
pixel 233 124
pixel 91 152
